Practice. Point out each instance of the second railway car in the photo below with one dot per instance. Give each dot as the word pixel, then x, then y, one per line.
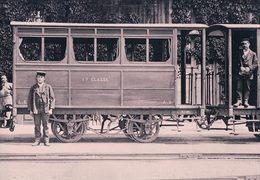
pixel 222 80
pixel 133 75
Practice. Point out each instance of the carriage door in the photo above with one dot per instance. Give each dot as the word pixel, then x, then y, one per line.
pixel 237 36
pixel 189 64
pixel 216 69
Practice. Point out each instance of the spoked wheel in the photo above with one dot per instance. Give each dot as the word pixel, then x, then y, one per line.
pixel 144 131
pixel 68 132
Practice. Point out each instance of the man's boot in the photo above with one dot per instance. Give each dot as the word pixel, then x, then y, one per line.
pixel 8 123
pixel 238 103
pixel 37 142
pixel 46 142
pixel 246 103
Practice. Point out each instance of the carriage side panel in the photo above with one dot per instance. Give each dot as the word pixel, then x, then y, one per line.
pixel 25 78
pixel 95 88
pixel 150 88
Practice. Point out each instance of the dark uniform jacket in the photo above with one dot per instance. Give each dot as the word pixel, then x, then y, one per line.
pixel 249 60
pixel 41 99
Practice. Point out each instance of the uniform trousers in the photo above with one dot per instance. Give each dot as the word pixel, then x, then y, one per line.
pixel 243 88
pixel 41 118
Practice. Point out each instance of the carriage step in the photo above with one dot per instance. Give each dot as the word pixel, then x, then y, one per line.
pixel 226 129
pixel 171 125
pixel 249 120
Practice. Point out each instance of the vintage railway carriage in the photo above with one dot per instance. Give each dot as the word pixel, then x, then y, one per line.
pixel 222 83
pixel 124 73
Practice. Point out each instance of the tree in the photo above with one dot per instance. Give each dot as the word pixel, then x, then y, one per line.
pixel 109 11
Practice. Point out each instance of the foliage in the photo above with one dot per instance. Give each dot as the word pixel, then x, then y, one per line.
pixel 216 50
pixel 5 50
pixel 30 48
pixel 109 11
pixel 214 11
pixel 182 11
pixel 215 54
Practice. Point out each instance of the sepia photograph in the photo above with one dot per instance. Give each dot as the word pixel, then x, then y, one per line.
pixel 129 89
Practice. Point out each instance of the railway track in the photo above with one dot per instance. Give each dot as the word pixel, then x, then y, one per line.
pixel 157 156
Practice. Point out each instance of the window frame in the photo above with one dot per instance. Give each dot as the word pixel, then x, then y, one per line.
pixel 73 52
pixel 147 38
pixel 42 56
pixel 116 61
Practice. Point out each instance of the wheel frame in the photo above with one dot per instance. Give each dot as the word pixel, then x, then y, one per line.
pixel 143 129
pixel 68 129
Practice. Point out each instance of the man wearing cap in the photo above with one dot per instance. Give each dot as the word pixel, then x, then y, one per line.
pixel 246 66
pixel 41 102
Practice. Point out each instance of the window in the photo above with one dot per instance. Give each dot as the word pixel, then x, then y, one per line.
pixel 107 49
pixel 54 49
pixel 30 48
pixel 135 50
pixel 189 47
pixel 84 49
pixel 159 50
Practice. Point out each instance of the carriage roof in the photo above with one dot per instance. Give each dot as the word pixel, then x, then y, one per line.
pixel 235 26
pixel 106 25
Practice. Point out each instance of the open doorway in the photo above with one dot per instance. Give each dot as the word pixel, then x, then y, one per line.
pixel 189 62
pixel 237 51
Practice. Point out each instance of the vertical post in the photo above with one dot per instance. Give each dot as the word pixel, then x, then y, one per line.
pixel 95 46
pixel 14 69
pixel 69 46
pixel 203 70
pixel 42 49
pixel 174 62
pixel 69 90
pixel 147 49
pixel 122 52
pixel 213 88
pixel 195 88
pixel 258 70
pixel 216 83
pixel 191 86
pixel 183 67
pixel 207 87
pixel 225 88
pixel 122 88
pixel 230 107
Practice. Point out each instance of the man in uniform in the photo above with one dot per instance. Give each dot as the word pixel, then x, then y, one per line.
pixel 41 102
pixel 246 66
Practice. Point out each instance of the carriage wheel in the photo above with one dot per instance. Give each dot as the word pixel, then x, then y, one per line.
pixel 68 132
pixel 144 132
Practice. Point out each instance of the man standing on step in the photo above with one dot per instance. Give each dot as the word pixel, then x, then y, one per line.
pixel 41 102
pixel 246 66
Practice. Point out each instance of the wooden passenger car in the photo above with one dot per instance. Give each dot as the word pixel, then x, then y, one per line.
pixel 221 106
pixel 126 72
